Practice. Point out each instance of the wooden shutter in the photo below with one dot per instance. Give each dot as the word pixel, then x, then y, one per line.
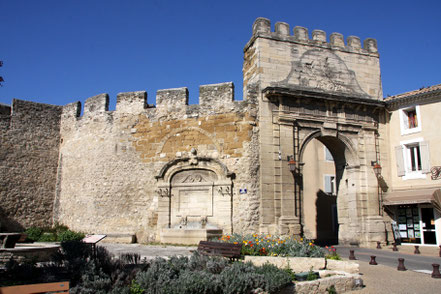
pixel 425 157
pixel 401 169
pixel 405 119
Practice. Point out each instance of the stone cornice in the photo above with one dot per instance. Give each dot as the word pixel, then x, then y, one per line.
pixel 271 92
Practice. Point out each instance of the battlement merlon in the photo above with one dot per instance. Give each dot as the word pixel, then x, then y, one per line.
pixel 131 102
pixel 167 100
pixel 172 98
pixel 262 28
pixel 215 95
pixel 96 104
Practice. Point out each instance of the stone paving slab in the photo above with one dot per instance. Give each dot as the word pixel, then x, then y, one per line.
pixel 383 279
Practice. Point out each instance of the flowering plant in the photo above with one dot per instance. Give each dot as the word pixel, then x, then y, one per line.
pixel 332 253
pixel 271 245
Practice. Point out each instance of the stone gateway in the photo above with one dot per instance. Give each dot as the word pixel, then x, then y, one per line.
pixel 178 173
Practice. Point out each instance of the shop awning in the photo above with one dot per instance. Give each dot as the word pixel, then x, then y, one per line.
pixel 414 196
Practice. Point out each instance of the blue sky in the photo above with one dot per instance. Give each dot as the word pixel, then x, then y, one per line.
pixel 59 52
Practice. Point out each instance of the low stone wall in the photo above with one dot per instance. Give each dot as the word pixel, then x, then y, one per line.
pixel 303 264
pixel 120 238
pixel 341 281
pixel 35 252
pixel 341 274
pixel 343 265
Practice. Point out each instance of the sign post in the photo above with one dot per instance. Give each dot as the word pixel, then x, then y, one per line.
pixel 92 240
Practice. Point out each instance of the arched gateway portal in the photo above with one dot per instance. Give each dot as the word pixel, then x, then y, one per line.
pixel 349 129
pixel 325 191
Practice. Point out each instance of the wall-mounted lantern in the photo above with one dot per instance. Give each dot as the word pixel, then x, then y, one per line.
pixel 377 168
pixel 292 164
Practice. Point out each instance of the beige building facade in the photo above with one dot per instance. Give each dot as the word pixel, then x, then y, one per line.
pixel 413 197
pixel 295 156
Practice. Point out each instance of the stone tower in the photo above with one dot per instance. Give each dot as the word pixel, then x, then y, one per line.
pixel 310 89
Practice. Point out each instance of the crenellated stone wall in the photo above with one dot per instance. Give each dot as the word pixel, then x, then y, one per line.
pixel 110 160
pixel 29 142
pixel 219 164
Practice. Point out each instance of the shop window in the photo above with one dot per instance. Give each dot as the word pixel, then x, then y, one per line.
pixel 410 120
pixel 413 159
pixel 408 220
pixel 329 184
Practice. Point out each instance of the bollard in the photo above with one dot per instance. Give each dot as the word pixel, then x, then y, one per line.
pixel 417 250
pixel 401 266
pixel 373 262
pixel 378 245
pixel 435 273
pixel 351 255
pixel 395 247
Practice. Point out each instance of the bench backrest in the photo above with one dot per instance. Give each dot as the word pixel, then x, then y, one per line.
pixel 59 287
pixel 222 249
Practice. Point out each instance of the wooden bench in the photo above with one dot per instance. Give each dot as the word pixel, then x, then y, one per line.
pixel 8 240
pixel 59 287
pixel 232 251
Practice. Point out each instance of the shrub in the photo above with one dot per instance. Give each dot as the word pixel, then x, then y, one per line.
pixel 69 235
pixel 312 275
pixel 188 275
pixel 34 233
pixel 275 279
pixel 58 233
pixel 93 280
pixel 135 288
pixel 202 274
pixel 47 237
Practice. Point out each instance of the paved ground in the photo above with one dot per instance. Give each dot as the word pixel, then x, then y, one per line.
pixel 386 256
pixel 381 278
pixel 385 278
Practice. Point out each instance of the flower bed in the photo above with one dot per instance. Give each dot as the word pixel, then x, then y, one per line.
pixel 270 245
pixel 100 273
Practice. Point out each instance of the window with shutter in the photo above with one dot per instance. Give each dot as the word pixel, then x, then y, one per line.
pixel 412 159
pixel 410 120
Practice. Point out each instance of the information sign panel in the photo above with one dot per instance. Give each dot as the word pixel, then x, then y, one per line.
pixel 93 239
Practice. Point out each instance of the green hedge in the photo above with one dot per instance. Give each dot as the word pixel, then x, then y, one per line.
pixel 58 233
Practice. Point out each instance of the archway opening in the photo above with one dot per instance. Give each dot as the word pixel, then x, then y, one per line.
pixel 324 164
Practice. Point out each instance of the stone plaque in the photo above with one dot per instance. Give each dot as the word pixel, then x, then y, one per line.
pixel 195 202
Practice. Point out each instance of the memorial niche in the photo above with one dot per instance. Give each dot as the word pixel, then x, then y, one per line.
pixel 195 200
pixel 193 197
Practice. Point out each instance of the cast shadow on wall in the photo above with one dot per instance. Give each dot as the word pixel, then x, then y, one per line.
pixel 8 225
pixel 326 218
